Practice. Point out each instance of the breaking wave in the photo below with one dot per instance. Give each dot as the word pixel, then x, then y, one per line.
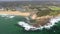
pixel 6 15
pixel 28 27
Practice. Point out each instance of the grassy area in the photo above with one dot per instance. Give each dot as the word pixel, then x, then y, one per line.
pixel 53 10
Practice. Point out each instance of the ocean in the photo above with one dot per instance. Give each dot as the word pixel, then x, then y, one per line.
pixel 10 26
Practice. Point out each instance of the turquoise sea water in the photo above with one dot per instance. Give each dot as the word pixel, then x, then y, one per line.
pixel 9 26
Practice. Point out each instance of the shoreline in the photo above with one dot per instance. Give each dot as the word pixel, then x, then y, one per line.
pixel 41 21
pixel 15 13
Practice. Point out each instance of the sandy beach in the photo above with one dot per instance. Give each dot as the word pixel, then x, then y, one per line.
pixel 15 13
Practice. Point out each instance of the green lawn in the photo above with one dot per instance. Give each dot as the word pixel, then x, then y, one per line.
pixel 54 8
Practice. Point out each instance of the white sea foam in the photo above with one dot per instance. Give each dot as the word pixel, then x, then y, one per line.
pixel 25 25
pixel 6 15
pixel 11 16
pixel 53 21
pixel 30 27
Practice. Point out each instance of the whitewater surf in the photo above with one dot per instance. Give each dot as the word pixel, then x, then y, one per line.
pixel 28 27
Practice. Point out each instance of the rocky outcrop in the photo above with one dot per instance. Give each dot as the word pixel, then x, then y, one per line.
pixel 41 21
